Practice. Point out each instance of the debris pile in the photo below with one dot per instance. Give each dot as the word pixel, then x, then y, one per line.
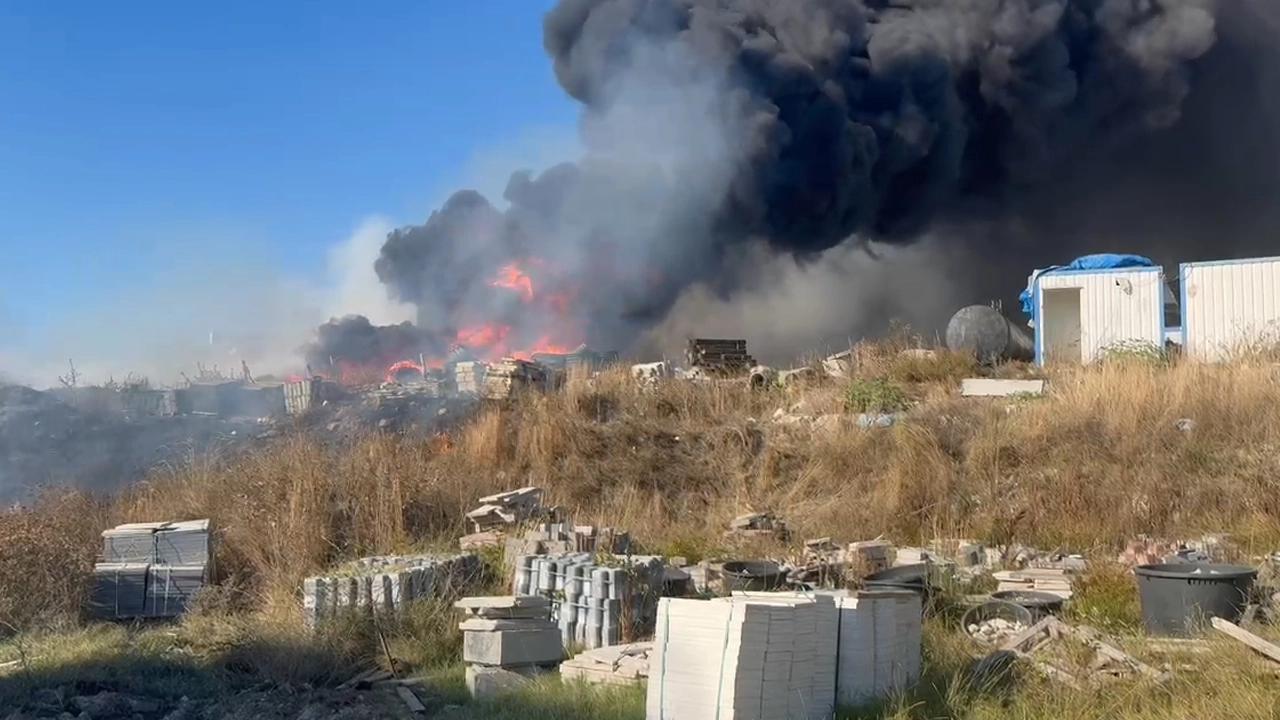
pixel 1036 643
pixel 507 640
pixel 619 665
pixel 719 357
pixel 758 525
pixel 994 630
pixel 150 570
pixel 384 584
pixel 500 514
pixel 1053 576
pixel 593 605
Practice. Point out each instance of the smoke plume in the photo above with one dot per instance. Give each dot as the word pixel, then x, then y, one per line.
pixel 727 139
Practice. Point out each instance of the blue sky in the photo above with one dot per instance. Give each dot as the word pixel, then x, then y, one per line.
pixel 143 142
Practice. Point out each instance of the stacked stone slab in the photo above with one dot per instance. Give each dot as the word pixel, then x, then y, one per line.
pixel 506 638
pixel 508 377
pixel 772 656
pixel 384 584
pixel 150 569
pixel 595 606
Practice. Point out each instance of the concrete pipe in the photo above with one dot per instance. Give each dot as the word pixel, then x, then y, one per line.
pixel 984 332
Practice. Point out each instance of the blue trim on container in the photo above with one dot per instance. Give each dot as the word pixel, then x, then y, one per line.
pixel 1102 271
pixel 1184 273
pixel 1038 295
pixel 1240 261
pixel 1160 288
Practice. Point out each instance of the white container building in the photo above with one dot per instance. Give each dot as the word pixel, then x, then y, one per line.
pixel 1229 306
pixel 1080 314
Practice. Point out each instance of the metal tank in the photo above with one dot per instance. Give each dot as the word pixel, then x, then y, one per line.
pixel 983 331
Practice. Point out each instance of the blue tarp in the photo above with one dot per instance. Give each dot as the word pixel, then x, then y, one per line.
pixel 1103 261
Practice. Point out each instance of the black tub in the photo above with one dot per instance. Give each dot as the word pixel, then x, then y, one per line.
pixel 904 577
pixel 752 576
pixel 1179 599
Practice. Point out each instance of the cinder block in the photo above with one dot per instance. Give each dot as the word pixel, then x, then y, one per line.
pixel 513 647
pixel 485 682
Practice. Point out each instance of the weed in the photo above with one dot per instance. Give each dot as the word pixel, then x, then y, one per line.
pixel 875 396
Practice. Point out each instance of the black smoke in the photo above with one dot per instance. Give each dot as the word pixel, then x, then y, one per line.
pixel 1010 133
pixel 354 340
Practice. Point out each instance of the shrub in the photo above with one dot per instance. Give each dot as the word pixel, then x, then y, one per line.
pixel 878 395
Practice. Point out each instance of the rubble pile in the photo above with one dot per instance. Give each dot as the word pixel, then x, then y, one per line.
pixel 995 630
pixel 618 665
pixel 150 570
pixel 506 640
pixel 501 515
pixel 384 584
pixel 758 525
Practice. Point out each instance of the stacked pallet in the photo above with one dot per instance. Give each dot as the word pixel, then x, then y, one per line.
pixel 1054 581
pixel 723 357
pixel 879 645
pixel 781 655
pixel 508 377
pixel 384 584
pixel 743 657
pixel 595 606
pixel 468 377
pixel 150 569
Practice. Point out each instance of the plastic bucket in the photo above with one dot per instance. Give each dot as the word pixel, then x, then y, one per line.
pixel 1039 604
pixel 752 576
pixel 1179 599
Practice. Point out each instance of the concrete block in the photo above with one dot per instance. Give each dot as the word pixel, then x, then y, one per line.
pixel 986 387
pixel 513 647
pixel 483 682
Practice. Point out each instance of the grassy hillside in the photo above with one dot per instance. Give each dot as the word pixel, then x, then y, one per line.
pixel 1101 458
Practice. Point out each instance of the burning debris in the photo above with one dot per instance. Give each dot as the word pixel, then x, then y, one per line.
pixel 720 357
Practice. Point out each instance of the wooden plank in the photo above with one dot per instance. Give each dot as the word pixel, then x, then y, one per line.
pixel 1260 646
pixel 411 701
pixel 1026 637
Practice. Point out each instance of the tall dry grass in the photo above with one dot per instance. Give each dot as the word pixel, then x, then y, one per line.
pixel 1097 461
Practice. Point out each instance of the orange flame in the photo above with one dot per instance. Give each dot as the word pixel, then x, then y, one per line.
pixel 511 277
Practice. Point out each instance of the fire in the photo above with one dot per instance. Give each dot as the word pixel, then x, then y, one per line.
pixel 511 277
pixel 483 336
pixel 394 371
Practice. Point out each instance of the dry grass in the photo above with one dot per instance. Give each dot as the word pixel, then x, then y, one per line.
pixel 1097 461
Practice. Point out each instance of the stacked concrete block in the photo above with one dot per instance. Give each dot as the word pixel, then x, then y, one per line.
pixel 384 584
pixel 151 569
pixel 781 655
pixel 507 638
pixel 879 645
pixel 511 375
pixel 469 377
pixel 594 606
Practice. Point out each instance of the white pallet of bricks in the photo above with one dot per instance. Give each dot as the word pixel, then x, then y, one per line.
pixel 771 656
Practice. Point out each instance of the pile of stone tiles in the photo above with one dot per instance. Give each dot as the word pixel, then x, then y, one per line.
pixel 150 570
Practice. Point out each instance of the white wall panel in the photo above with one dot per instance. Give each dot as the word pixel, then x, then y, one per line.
pixel 1230 306
pixel 1117 307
